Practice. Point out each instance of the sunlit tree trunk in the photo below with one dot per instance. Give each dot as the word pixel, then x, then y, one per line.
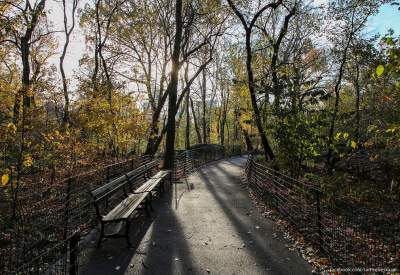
pixel 172 89
pixel 268 153
pixel 196 124
pixel 187 129
pixel 67 32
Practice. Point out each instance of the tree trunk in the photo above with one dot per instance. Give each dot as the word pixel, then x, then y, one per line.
pixel 153 135
pixel 329 157
pixel 358 95
pixel 268 153
pixel 196 125
pixel 67 32
pixel 23 97
pixel 172 89
pixel 276 87
pixel 249 145
pixel 187 132
pixel 203 100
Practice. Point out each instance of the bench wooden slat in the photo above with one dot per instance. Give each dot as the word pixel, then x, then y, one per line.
pixel 137 171
pixel 110 187
pixel 148 185
pixel 162 174
pixel 126 207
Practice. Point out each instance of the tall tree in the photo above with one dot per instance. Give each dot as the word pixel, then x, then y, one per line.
pixel 172 89
pixel 67 32
pixel 31 15
pixel 187 108
pixel 354 15
pixel 248 27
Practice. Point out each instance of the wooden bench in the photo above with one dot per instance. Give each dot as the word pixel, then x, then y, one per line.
pixel 133 198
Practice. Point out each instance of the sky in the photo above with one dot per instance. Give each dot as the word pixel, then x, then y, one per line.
pixel 387 17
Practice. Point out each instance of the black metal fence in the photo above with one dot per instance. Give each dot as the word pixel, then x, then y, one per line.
pixel 186 162
pixel 53 217
pixel 349 236
pixel 44 237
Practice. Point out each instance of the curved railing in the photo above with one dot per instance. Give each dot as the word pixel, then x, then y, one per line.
pixel 45 238
pixel 188 161
pixel 348 236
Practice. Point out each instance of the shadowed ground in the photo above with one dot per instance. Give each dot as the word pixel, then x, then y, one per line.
pixel 213 228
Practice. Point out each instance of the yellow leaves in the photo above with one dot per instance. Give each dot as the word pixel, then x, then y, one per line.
pixel 368 144
pixel 342 135
pixel 29 91
pixel 374 157
pixel 372 128
pixel 11 128
pixel 346 136
pixel 379 70
pixel 4 179
pixel 28 161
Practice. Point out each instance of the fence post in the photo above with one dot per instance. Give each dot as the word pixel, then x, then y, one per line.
pixel 73 253
pixel 254 174
pixel 319 224
pixel 248 164
pixel 249 173
pixel 184 165
pixel 108 173
pixel 66 207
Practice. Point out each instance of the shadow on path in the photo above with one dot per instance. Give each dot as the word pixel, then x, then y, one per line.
pixel 211 227
pixel 159 246
pixel 223 182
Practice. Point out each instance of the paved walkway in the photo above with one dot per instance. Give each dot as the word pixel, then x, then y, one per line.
pixel 213 228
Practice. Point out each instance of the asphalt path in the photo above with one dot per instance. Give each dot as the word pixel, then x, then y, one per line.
pixel 206 224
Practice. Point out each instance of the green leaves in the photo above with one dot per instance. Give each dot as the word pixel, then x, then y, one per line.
pixel 379 70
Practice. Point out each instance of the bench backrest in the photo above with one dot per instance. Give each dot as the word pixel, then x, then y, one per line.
pixel 119 183
pixel 136 177
pixel 162 174
pixel 108 189
pixel 152 165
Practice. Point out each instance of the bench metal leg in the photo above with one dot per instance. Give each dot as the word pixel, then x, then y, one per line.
pixel 127 228
pixel 150 200
pixel 101 235
pixel 146 207
pixel 161 188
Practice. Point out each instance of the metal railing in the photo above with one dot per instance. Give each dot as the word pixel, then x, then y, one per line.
pixel 44 236
pixel 350 237
pixel 45 239
pixel 188 161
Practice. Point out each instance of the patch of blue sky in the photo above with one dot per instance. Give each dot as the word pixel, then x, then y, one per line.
pixel 387 18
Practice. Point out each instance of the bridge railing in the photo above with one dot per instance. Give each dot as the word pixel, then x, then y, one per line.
pixel 348 236
pixel 188 161
pixel 43 236
pixel 53 216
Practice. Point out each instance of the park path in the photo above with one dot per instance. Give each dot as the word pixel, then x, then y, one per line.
pixel 207 225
